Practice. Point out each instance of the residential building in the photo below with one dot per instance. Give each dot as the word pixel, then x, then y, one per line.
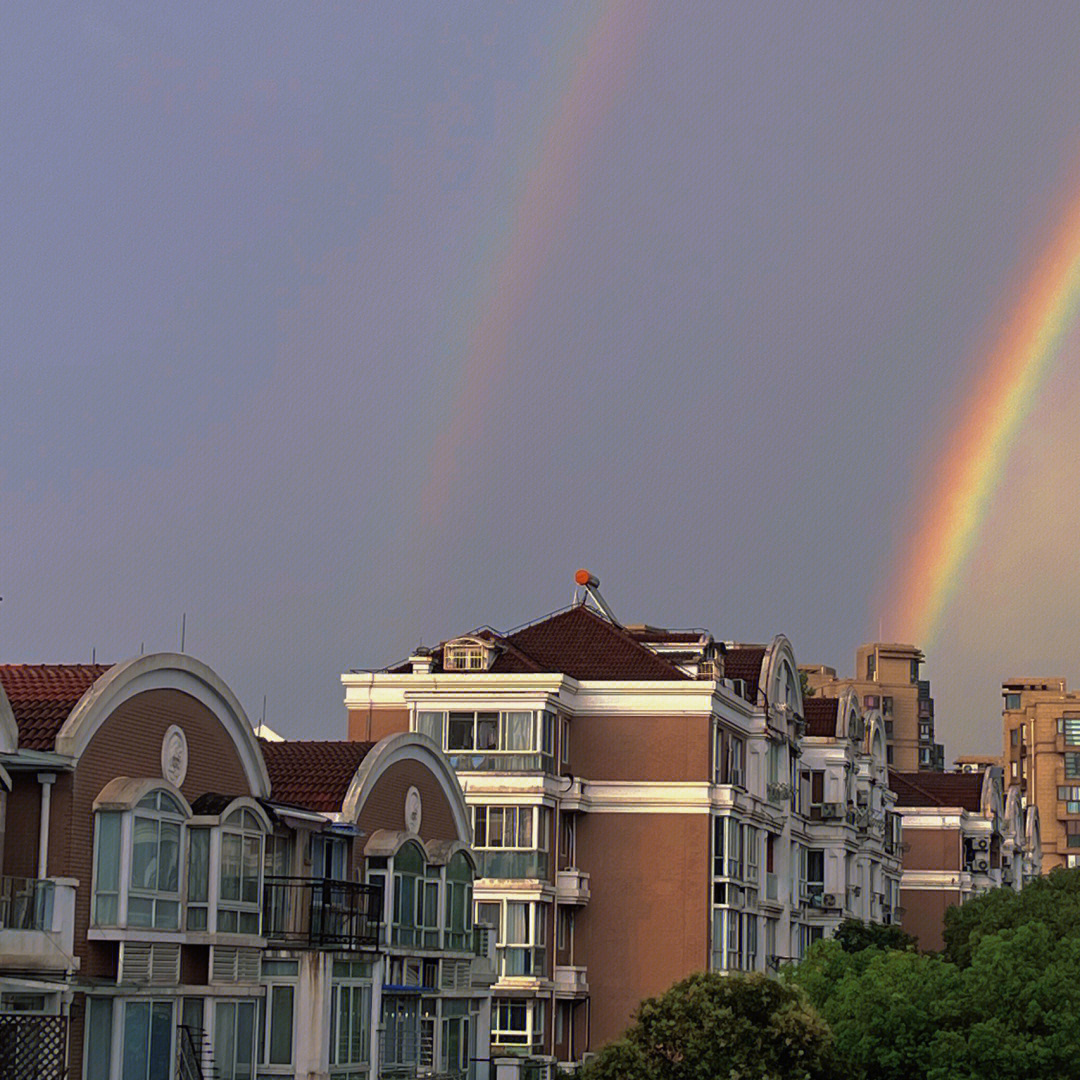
pixel 1041 731
pixel 640 809
pixel 887 678
pixel 963 835
pixel 171 907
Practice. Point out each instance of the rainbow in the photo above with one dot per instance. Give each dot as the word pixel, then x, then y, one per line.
pixel 591 69
pixel 971 470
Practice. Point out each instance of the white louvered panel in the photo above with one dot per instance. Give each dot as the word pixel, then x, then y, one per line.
pixel 247 965
pixel 455 974
pixel 165 964
pixel 223 964
pixel 134 962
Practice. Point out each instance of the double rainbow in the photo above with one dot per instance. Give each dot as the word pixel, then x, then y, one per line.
pixel 948 531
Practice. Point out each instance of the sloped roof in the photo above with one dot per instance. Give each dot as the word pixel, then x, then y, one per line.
pixel 577 642
pixel 310 774
pixel 937 789
pixel 584 645
pixel 43 695
pixel 821 715
pixel 744 662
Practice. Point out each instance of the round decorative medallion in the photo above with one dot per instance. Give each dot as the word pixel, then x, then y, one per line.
pixel 174 755
pixel 413 810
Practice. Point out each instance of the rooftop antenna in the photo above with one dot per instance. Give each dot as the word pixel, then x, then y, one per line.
pixel 183 630
pixel 591 584
pixel 262 722
pixel 93 654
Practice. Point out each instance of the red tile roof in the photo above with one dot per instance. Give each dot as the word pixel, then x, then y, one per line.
pixel 584 645
pixel 312 775
pixel 42 696
pixel 937 789
pixel 821 714
pixel 744 662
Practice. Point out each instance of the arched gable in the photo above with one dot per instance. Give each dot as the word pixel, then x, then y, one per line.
pixel 407 746
pixel 125 793
pixel 165 671
pixel 874 738
pixel 9 729
pixel 849 718
pixel 779 681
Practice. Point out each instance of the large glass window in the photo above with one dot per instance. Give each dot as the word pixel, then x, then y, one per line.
pixel 494 740
pixel 198 890
pixel 350 1018
pixel 241 872
pixel 234 1040
pixel 99 1021
pixel 521 935
pixel 147 1047
pixel 107 870
pixel 512 841
pixel 459 878
pixel 409 865
pixel 517 1022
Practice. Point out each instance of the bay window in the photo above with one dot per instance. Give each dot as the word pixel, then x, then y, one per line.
pixel 521 935
pixel 139 833
pixel 409 864
pixel 240 876
pixel 517 1022
pixel 512 841
pixel 514 739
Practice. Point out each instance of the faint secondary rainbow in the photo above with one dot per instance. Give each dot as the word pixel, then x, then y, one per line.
pixel 979 448
pixel 593 64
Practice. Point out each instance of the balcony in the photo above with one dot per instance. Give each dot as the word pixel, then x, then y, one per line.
pixel 37 923
pixel 319 913
pixel 481 761
pixel 572 886
pixel 513 865
pixel 570 981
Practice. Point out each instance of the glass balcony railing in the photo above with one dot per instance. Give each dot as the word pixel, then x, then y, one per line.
pixel 490 761
pixel 513 864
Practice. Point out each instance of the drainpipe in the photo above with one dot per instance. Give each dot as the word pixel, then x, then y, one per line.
pixel 46 780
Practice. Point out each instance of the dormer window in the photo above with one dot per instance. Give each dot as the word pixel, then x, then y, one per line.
pixel 466 654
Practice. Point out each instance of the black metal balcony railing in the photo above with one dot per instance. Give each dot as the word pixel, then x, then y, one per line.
pixel 26 903
pixel 322 913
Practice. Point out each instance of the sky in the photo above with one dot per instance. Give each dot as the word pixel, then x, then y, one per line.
pixel 331 329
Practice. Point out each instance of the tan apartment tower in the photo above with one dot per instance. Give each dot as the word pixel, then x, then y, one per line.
pixel 887 679
pixel 1041 730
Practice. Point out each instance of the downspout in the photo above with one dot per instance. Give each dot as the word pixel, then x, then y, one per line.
pixel 46 780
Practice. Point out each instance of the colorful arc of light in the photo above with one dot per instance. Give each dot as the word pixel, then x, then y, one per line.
pixel 972 469
pixel 600 58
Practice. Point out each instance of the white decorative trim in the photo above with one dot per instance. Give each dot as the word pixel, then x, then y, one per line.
pixel 164 671
pixel 125 793
pixel 174 755
pixel 406 746
pixel 9 729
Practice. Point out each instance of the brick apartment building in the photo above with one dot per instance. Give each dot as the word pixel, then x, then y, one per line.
pixel 963 835
pixel 887 679
pixel 646 803
pixel 179 900
pixel 1041 755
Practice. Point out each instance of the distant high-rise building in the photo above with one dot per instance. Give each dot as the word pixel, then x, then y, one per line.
pixel 1041 729
pixel 887 679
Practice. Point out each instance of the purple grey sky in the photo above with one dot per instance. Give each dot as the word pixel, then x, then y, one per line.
pixel 241 250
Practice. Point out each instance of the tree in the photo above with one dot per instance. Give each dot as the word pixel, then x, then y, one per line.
pixel 854 936
pixel 1053 900
pixel 721 1027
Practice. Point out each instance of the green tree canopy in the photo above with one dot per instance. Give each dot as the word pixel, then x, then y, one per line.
pixel 717 1027
pixel 854 936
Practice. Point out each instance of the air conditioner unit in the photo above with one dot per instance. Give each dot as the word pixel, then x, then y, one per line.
pixel 982 844
pixel 830 811
pixel 829 900
pixel 982 866
pixel 817 900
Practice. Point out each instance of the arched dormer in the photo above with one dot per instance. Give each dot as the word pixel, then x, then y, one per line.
pixel 849 718
pixel 407 746
pixel 779 682
pixel 469 653
pixel 164 671
pixel 873 743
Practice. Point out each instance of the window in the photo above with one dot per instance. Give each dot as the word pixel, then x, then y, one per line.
pixel 871 701
pixel 459 878
pixel 1014 737
pixel 99 1021
pixel 817 793
pixel 521 935
pixel 137 857
pixel 401 1031
pixel 914 670
pixel 504 826
pixel 454 1053
pixel 564 740
pixel 516 1022
pixel 198 884
pixel 567 840
pixel 518 733
pixel 815 872
pixel 564 928
pixel 1012 702
pixel 241 873
pixel 1069 726
pixel 350 1017
pixel 728 757
pixel 147 1046
pixel 889 754
pixel 465 656
pixel 409 865
pixel 871 666
pixel 1070 793
pixel 750 847
pixel 276 1022
pixel 887 707
pixel 107 870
